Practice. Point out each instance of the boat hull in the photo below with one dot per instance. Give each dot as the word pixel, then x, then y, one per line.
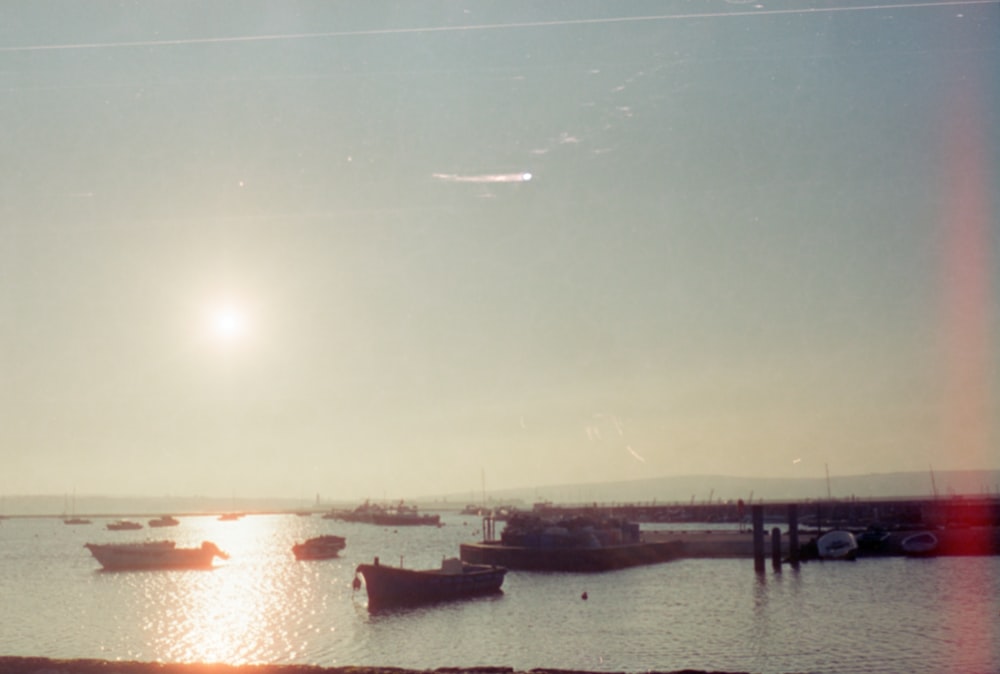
pixel 924 544
pixel 153 555
pixel 391 586
pixel 837 545
pixel 321 547
pixel 605 558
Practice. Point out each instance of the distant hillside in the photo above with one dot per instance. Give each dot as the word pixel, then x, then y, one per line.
pixel 683 489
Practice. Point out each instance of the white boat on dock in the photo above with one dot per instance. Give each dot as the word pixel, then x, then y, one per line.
pixel 837 544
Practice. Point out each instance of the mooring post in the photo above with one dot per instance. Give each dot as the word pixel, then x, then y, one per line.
pixel 793 534
pixel 776 549
pixel 757 513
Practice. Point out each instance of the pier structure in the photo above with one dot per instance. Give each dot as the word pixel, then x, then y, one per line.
pixel 965 526
pixel 952 511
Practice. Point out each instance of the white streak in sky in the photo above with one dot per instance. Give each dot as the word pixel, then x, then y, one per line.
pixel 635 454
pixel 488 178
pixel 495 26
pixel 618 426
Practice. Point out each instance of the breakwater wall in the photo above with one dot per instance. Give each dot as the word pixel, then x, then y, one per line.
pixel 954 511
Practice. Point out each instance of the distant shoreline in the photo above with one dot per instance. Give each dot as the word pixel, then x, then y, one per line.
pixel 39 665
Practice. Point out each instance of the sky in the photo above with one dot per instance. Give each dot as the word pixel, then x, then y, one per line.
pixel 389 249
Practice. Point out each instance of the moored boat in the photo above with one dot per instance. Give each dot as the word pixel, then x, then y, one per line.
pixel 320 547
pixel 576 544
pixel 154 555
pixel 923 544
pixel 837 545
pixel 165 521
pixel 399 515
pixel 123 525
pixel 873 540
pixel 395 586
pixel 76 520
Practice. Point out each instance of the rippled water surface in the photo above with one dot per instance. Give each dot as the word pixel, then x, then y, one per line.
pixel 886 615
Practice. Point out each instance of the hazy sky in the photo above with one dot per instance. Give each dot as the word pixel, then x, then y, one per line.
pixel 390 249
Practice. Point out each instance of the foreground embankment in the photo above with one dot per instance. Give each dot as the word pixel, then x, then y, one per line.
pixel 16 665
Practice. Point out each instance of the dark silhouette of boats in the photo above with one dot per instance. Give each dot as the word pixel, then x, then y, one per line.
pixel 399 515
pixel 320 547
pixel 154 555
pixel 389 586
pixel 165 521
pixel 123 525
pixel 529 542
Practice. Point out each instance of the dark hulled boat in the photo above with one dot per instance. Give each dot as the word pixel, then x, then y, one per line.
pixel 394 586
pixel 578 544
pixel 399 515
pixel 320 547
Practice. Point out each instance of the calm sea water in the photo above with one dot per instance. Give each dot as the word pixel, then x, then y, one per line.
pixel 261 606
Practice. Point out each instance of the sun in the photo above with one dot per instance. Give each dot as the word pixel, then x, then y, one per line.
pixel 228 323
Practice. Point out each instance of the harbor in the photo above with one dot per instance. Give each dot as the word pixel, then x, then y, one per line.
pixel 264 607
pixel 597 538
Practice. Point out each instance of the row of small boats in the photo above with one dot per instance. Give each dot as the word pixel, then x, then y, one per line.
pixel 156 522
pixel 385 585
pixel 845 545
pixel 166 554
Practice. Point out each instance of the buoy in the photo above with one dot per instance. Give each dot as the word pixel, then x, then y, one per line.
pixel 584 596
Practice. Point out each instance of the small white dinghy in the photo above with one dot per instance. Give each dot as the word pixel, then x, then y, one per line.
pixel 923 544
pixel 837 544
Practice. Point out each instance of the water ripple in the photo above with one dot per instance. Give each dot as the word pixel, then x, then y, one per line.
pixel 261 606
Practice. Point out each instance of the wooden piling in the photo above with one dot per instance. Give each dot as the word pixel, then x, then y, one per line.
pixel 776 549
pixel 793 534
pixel 757 513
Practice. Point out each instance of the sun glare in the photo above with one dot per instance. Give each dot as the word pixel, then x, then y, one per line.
pixel 228 323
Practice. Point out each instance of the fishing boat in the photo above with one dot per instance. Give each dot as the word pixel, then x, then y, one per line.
pixel 123 525
pixel 154 555
pixel 165 521
pixel 395 586
pixel 399 515
pixel 320 547
pixel 923 544
pixel 582 544
pixel 837 545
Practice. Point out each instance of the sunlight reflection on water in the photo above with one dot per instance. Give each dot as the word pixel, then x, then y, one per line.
pixel 262 606
pixel 258 606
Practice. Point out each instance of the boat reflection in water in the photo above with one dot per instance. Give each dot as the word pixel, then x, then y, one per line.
pixel 393 586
